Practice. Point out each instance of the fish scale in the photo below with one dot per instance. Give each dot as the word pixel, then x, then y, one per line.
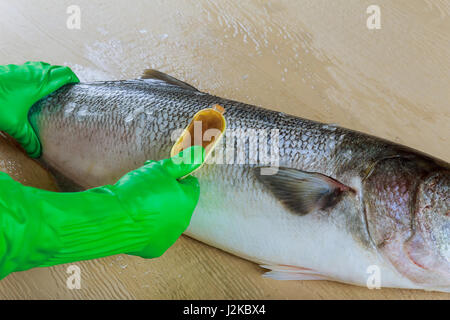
pixel 93 133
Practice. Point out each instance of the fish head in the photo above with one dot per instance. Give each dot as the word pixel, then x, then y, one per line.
pixel 406 203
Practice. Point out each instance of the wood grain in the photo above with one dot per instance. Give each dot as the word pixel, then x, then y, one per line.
pixel 311 58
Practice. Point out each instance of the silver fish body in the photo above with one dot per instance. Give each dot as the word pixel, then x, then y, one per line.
pixel 390 222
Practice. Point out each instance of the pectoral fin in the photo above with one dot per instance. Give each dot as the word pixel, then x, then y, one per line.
pixel 300 191
pixel 151 74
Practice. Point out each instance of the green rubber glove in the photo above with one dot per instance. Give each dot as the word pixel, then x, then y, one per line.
pixel 142 214
pixel 20 87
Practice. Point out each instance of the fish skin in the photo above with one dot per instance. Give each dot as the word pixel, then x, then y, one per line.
pixel 93 133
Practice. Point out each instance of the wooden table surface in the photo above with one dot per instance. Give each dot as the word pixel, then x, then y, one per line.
pixel 312 58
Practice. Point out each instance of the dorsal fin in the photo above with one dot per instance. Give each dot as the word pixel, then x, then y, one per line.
pixel 158 75
pixel 301 191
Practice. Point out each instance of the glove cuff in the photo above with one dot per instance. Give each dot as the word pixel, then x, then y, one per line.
pixel 45 228
pixel 103 227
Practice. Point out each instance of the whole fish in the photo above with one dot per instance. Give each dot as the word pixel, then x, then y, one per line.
pixel 337 204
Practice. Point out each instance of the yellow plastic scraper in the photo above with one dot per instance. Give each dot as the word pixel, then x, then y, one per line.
pixel 205 129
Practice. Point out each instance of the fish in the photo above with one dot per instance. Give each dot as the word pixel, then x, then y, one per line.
pixel 305 200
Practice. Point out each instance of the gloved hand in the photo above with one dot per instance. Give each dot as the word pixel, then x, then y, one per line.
pixel 142 214
pixel 20 87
